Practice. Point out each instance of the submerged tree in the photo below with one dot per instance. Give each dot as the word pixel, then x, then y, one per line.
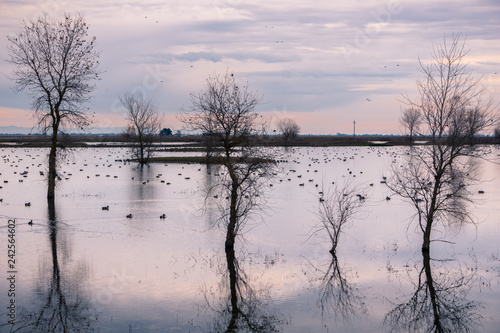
pixel 144 123
pixel 289 128
pixel 225 112
pixel 55 63
pixel 336 209
pixel 436 176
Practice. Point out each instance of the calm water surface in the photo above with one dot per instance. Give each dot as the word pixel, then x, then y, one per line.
pixel 97 270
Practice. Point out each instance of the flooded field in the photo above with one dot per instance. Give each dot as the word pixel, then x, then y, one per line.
pixel 110 262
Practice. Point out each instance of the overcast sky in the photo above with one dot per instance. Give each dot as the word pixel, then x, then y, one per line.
pixel 324 63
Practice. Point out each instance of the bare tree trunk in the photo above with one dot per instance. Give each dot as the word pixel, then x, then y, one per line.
pixel 432 210
pixel 427 235
pixel 432 293
pixel 230 257
pixel 209 147
pixel 233 219
pixel 429 220
pixel 335 242
pixel 52 174
pixel 141 158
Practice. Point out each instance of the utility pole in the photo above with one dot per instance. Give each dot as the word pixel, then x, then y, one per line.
pixel 354 122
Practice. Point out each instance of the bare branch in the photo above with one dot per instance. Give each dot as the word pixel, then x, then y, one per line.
pixel 336 208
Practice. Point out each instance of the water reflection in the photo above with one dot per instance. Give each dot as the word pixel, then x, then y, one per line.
pixel 439 303
pixel 141 175
pixel 120 252
pixel 62 307
pixel 337 295
pixel 241 307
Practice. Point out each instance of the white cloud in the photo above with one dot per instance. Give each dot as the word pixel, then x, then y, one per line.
pixel 307 56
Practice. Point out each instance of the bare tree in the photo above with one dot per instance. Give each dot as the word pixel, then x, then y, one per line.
pixel 225 111
pixel 144 123
pixel 411 120
pixel 289 128
pixel 436 176
pixel 475 121
pixel 55 64
pixel 335 211
pixel 128 132
pixel 496 133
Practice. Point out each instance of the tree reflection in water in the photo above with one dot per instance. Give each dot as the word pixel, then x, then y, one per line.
pixel 62 309
pixel 439 303
pixel 240 307
pixel 338 298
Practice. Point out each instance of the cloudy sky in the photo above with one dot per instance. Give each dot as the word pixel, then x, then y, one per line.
pixel 323 62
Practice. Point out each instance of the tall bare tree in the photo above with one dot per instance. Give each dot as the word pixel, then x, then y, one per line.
pixel 144 123
pixel 436 176
pixel 225 111
pixel 411 120
pixel 289 128
pixel 56 64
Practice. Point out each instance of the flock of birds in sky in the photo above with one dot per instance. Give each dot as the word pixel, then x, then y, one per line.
pixel 279 42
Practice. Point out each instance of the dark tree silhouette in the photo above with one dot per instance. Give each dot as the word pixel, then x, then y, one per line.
pixel 225 112
pixel 476 120
pixel 435 178
pixel 411 120
pixel 336 208
pixel 144 123
pixel 166 132
pixel 55 63
pixel 289 128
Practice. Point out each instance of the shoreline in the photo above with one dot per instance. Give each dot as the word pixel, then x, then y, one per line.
pixel 193 143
